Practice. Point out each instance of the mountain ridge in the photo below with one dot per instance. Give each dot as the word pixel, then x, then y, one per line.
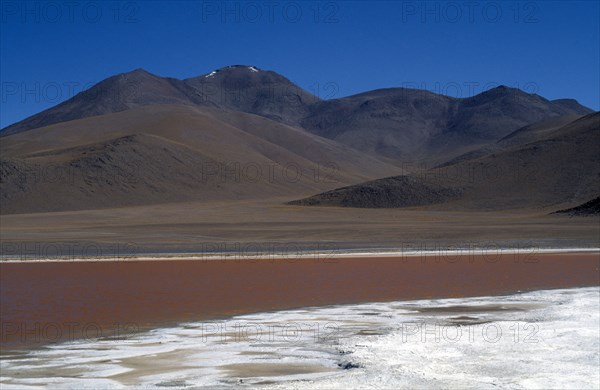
pixel 140 87
pixel 248 118
pixel 244 88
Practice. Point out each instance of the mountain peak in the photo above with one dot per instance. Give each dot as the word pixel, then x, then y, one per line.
pixel 250 89
pixel 138 75
pixel 503 89
pixel 500 92
pixel 247 68
pixel 136 72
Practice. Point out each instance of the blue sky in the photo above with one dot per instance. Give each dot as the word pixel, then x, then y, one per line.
pixel 51 50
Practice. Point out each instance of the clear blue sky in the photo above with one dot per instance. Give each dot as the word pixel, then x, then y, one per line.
pixel 51 50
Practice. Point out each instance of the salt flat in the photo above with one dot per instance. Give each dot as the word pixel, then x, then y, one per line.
pixel 539 339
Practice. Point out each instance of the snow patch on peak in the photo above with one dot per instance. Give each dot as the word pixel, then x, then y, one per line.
pixel 251 68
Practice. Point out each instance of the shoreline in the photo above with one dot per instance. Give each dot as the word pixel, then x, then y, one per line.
pixel 41 300
pixel 223 256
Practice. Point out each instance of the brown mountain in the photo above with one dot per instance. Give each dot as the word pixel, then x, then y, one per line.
pixel 416 125
pixel 115 94
pixel 398 123
pixel 239 87
pixel 560 168
pixel 240 132
pixel 169 153
pixel 249 89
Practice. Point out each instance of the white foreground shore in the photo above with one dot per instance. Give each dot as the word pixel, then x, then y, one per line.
pixel 541 339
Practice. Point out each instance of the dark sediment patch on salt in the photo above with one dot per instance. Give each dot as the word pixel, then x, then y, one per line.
pixel 469 308
pixel 348 365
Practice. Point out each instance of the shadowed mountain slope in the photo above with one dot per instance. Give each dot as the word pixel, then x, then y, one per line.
pixel 587 209
pixel 389 192
pixel 562 168
pixel 526 134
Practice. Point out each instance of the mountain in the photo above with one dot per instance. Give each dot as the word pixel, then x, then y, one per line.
pixel 561 167
pixel 406 125
pixel 416 125
pixel 391 122
pixel 250 89
pixel 170 153
pixel 239 87
pixel 240 132
pixel 115 94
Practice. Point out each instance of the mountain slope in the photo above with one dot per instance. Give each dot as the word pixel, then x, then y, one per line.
pixel 525 134
pixel 560 169
pixel 115 94
pixel 164 152
pixel 583 210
